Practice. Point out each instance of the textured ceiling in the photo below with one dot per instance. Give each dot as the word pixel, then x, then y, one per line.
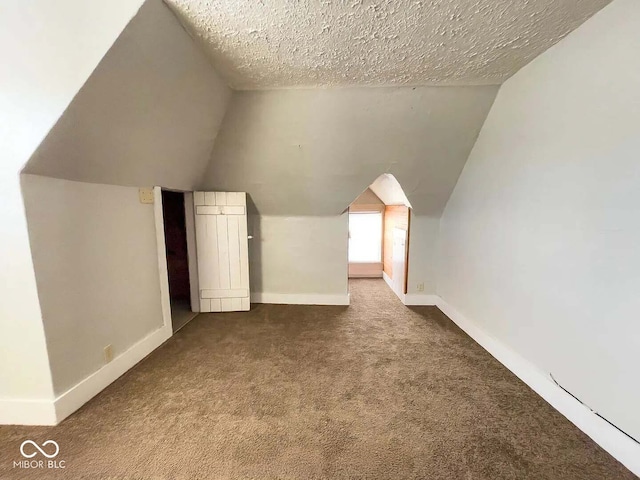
pixel 293 43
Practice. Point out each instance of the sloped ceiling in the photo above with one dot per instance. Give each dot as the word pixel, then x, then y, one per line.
pixel 148 115
pixel 282 43
pixel 387 188
pixel 367 198
pixel 312 152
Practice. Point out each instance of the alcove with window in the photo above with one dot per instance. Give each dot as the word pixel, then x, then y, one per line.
pixel 379 225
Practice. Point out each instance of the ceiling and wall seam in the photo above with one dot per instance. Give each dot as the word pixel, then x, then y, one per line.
pixel 311 152
pixel 53 125
pixel 147 115
pixel 281 43
pixel 197 41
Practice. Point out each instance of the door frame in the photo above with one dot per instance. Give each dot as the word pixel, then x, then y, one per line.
pixel 163 273
pixel 406 252
pixel 190 227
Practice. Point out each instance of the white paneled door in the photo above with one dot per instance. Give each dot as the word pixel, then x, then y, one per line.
pixel 223 251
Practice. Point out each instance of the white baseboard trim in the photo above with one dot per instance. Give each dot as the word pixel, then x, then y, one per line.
pixel 27 412
pixel 412 299
pixel 619 446
pixel 78 395
pixel 416 299
pixel 389 282
pixel 52 412
pixel 300 298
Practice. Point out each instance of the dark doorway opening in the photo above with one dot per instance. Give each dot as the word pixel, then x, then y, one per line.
pixel 175 235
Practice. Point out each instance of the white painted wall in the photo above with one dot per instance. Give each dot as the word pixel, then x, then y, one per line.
pixel 38 79
pixel 295 255
pixel 298 255
pixel 97 271
pixel 541 238
pixel 423 258
pixel 160 104
pixel 326 146
pixel 147 116
pixel 304 155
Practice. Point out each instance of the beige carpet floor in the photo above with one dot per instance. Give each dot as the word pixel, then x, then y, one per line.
pixel 376 390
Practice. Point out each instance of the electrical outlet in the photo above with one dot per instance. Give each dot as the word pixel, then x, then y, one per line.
pixel 146 195
pixel 108 353
pixel 421 287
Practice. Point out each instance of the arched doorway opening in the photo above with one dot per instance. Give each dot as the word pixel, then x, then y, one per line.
pixel 379 228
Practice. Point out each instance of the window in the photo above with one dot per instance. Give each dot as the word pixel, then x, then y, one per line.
pixel 365 237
